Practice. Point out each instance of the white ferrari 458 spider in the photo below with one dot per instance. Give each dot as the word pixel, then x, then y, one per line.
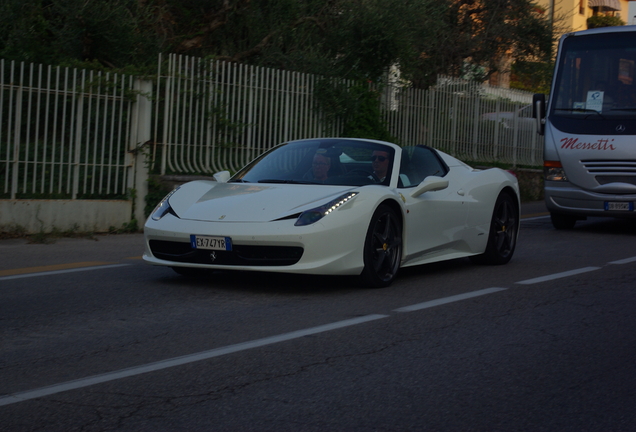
pixel 338 206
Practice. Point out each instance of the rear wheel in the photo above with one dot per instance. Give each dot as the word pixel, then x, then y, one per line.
pixel 382 248
pixel 562 222
pixel 502 237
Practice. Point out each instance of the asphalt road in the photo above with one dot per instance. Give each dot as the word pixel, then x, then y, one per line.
pixel 93 339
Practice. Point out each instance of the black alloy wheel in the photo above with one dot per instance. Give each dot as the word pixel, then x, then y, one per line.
pixel 382 248
pixel 504 227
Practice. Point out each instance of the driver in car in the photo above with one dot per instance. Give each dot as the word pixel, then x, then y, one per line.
pixel 380 162
pixel 319 167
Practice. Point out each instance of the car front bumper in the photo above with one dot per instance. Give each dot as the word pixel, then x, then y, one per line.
pixel 278 246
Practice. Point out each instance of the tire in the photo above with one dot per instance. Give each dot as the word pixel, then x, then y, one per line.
pixel 502 237
pixel 562 222
pixel 382 248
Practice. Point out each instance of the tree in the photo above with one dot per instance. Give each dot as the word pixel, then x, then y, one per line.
pixel 597 21
pixel 115 33
pixel 356 39
pixel 481 33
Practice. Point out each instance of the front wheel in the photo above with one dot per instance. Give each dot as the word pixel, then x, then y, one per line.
pixel 382 248
pixel 502 237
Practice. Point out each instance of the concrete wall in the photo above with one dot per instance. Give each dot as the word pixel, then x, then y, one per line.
pixel 64 215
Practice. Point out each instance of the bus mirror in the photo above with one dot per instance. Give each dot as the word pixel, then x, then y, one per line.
pixel 538 111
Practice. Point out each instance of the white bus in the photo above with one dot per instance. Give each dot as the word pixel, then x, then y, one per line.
pixel 590 127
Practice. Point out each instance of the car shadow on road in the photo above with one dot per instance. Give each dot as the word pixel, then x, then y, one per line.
pixel 265 283
pixel 296 284
pixel 606 226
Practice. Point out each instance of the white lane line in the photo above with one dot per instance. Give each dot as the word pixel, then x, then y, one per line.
pixel 54 272
pixel 558 275
pixel 446 300
pixel 624 261
pixel 178 361
pixel 534 218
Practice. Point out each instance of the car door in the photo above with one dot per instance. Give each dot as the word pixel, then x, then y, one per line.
pixel 436 219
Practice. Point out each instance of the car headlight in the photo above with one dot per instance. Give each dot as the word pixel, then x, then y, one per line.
pixel 553 171
pixel 314 215
pixel 163 207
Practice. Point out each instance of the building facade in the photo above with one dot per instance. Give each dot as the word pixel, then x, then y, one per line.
pixel 572 15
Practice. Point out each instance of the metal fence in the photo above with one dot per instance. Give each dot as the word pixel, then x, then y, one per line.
pixel 216 115
pixel 69 133
pixel 64 132
pixel 213 115
pixel 480 123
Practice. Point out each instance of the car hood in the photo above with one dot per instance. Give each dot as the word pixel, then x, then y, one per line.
pixel 248 202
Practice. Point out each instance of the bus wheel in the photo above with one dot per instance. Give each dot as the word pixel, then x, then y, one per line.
pixel 562 222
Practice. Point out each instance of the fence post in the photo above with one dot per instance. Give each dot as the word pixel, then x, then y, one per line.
pixel 139 148
pixel 76 158
pixel 16 139
pixel 476 126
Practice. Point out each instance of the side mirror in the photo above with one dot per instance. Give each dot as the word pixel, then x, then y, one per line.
pixel 430 184
pixel 222 176
pixel 538 111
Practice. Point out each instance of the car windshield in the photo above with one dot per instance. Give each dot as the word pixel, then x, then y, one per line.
pixel 330 161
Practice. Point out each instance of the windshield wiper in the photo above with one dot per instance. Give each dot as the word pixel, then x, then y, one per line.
pixel 238 181
pixel 581 110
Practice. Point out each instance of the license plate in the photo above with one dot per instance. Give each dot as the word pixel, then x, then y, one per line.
pixel 211 243
pixel 619 206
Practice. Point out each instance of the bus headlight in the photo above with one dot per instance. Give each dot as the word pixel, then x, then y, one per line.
pixel 553 171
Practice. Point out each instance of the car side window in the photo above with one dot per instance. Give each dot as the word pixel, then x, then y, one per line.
pixel 418 163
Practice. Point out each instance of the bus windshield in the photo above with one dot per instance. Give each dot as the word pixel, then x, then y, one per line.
pixel 595 80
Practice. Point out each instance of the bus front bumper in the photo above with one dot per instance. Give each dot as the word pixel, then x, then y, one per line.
pixel 567 199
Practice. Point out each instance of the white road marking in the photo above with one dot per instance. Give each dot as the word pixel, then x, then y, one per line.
pixel 558 275
pixel 178 361
pixel 624 261
pixel 217 352
pixel 54 272
pixel 534 218
pixel 446 300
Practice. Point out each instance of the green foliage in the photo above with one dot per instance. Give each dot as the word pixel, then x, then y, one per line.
pixel 371 36
pixel 351 39
pixel 127 228
pixel 49 237
pixel 597 21
pixel 356 107
pixel 534 77
pixel 114 33
pixel 484 33
pixel 530 184
pixel 12 231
